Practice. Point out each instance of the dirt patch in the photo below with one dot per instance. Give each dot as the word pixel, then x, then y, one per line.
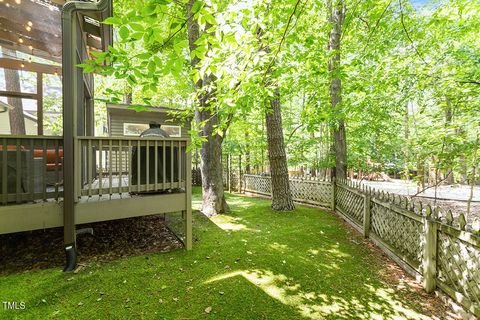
pixel 111 240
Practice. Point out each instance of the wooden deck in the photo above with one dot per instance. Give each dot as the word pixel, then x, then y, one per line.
pixel 115 178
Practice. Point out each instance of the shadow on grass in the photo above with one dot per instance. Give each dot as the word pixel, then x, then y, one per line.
pixel 250 264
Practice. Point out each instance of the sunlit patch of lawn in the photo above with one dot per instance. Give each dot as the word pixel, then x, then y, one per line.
pixel 253 263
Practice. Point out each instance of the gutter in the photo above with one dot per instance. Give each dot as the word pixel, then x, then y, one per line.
pixel 70 92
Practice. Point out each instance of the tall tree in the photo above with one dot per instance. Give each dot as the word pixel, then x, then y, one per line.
pixel 281 194
pixel 211 149
pixel 336 18
pixel 12 83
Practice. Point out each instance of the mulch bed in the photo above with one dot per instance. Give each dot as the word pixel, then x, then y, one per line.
pixel 111 240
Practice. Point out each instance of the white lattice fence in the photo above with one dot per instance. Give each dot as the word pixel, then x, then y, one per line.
pixel 349 202
pixel 430 243
pixel 310 191
pixel 458 265
pixel 401 230
pixel 258 184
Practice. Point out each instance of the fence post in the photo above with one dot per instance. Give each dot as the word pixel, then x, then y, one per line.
pixel 366 215
pixel 333 195
pixel 229 173
pixel 430 253
pixel 239 190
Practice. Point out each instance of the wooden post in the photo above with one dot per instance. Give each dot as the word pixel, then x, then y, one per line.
pixel 366 215
pixel 229 173
pixel 188 200
pixel 333 195
pixel 239 173
pixel 40 103
pixel 430 253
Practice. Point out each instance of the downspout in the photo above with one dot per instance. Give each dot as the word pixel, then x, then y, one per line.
pixel 70 92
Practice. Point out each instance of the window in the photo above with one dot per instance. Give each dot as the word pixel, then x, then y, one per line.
pixel 173 131
pixel 134 129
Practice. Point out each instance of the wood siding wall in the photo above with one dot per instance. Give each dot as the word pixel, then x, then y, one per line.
pixel 117 117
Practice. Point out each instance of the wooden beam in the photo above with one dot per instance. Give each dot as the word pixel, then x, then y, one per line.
pixel 94 211
pixel 52 36
pixel 14 94
pixel 25 49
pixel 30 66
pixel 12 39
pixel 40 103
pixel 26 217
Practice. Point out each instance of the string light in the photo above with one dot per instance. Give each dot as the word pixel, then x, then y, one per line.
pixel 18 1
pixel 20 40
pixel 30 48
pixel 22 65
pixel 28 28
pixel 30 23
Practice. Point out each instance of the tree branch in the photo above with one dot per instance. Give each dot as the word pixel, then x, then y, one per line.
pixel 408 35
pixel 281 40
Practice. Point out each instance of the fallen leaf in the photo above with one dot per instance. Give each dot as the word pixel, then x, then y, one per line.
pixel 208 309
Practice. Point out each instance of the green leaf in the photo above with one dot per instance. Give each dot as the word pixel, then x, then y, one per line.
pixel 124 32
pixel 137 27
pixel 112 20
pixel 197 6
pixel 131 80
pixel 151 68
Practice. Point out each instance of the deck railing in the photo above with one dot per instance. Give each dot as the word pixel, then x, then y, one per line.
pixel 31 168
pixel 115 165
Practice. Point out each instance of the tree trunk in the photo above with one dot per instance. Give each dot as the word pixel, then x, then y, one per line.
pixel 336 18
pixel 127 95
pixel 12 83
pixel 213 198
pixel 281 195
pixel 474 175
pixel 247 154
pixel 448 121
pixel 406 147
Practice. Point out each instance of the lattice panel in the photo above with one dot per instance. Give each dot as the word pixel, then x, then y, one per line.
pixel 311 191
pixel 458 266
pixel 349 203
pixel 258 184
pixel 400 232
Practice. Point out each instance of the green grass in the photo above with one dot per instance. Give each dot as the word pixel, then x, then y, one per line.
pixel 251 264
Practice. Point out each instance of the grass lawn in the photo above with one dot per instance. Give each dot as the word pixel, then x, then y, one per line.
pixel 251 264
